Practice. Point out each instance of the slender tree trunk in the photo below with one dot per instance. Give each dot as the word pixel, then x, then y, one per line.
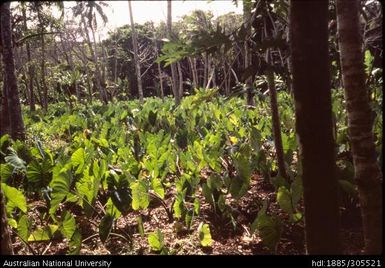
pixel 13 101
pixel 136 60
pixel 312 94
pixel 174 81
pixel 276 123
pixel 6 242
pixel 368 175
pixel 5 124
pixel 42 64
pixel 98 77
pixel 30 69
pixel 180 75
pixel 247 5
pixel 159 70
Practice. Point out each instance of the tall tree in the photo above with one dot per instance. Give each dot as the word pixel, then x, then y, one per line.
pixel 30 67
pixel 174 82
pixel 312 94
pixel 6 243
pixel 136 53
pixel 247 5
pixel 87 10
pixel 10 87
pixel 368 175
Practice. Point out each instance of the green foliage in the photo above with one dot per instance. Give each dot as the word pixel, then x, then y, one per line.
pixel 15 198
pixel 205 235
pixel 105 227
pixel 156 241
pixel 269 228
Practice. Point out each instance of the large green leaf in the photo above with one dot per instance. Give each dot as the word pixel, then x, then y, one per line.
pixel 23 227
pixel 156 240
pixel 75 243
pixel 43 233
pixel 284 200
pixel 68 227
pixel 205 235
pixel 78 159
pixel 157 187
pixel 105 227
pixel 269 228
pixel 60 185
pixel 6 171
pixel 14 160
pixel 15 198
pixel 140 196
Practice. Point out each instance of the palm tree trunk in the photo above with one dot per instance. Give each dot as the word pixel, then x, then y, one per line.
pixel 174 82
pixel 180 75
pixel 13 101
pixel 311 83
pixel 136 60
pixel 368 175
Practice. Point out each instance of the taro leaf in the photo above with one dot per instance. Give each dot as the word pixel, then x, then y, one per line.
pixel 157 187
pixel 239 186
pixel 140 197
pixel 156 240
pixel 43 233
pixel 121 198
pixel 208 194
pixel 105 227
pixel 14 160
pixel 179 207
pixel 23 227
pixel 68 225
pixel 75 243
pixel 284 200
pixel 39 174
pixel 189 218
pixel 221 203
pixel 112 209
pixel 15 198
pixel 78 160
pixel 296 191
pixel 60 185
pixel 204 235
pixel 12 223
pixel 6 171
pixel 269 228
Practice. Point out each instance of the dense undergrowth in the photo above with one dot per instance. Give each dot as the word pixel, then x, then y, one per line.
pixel 101 162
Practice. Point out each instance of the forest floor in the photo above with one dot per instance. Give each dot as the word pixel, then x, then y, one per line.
pixel 126 239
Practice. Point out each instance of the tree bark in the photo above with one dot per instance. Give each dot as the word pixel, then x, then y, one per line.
pixel 368 175
pixel 276 124
pixel 312 94
pixel 247 5
pixel 174 77
pixel 136 60
pixel 13 101
pixel 30 69
pixel 6 243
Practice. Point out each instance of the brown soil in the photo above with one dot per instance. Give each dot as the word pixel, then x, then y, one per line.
pixel 126 240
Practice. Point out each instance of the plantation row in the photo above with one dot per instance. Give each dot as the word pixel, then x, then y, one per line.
pixel 101 162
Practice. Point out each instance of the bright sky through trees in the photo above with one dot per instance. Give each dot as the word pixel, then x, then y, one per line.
pixel 156 11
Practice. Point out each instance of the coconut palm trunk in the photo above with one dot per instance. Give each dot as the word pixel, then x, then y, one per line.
pixel 368 175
